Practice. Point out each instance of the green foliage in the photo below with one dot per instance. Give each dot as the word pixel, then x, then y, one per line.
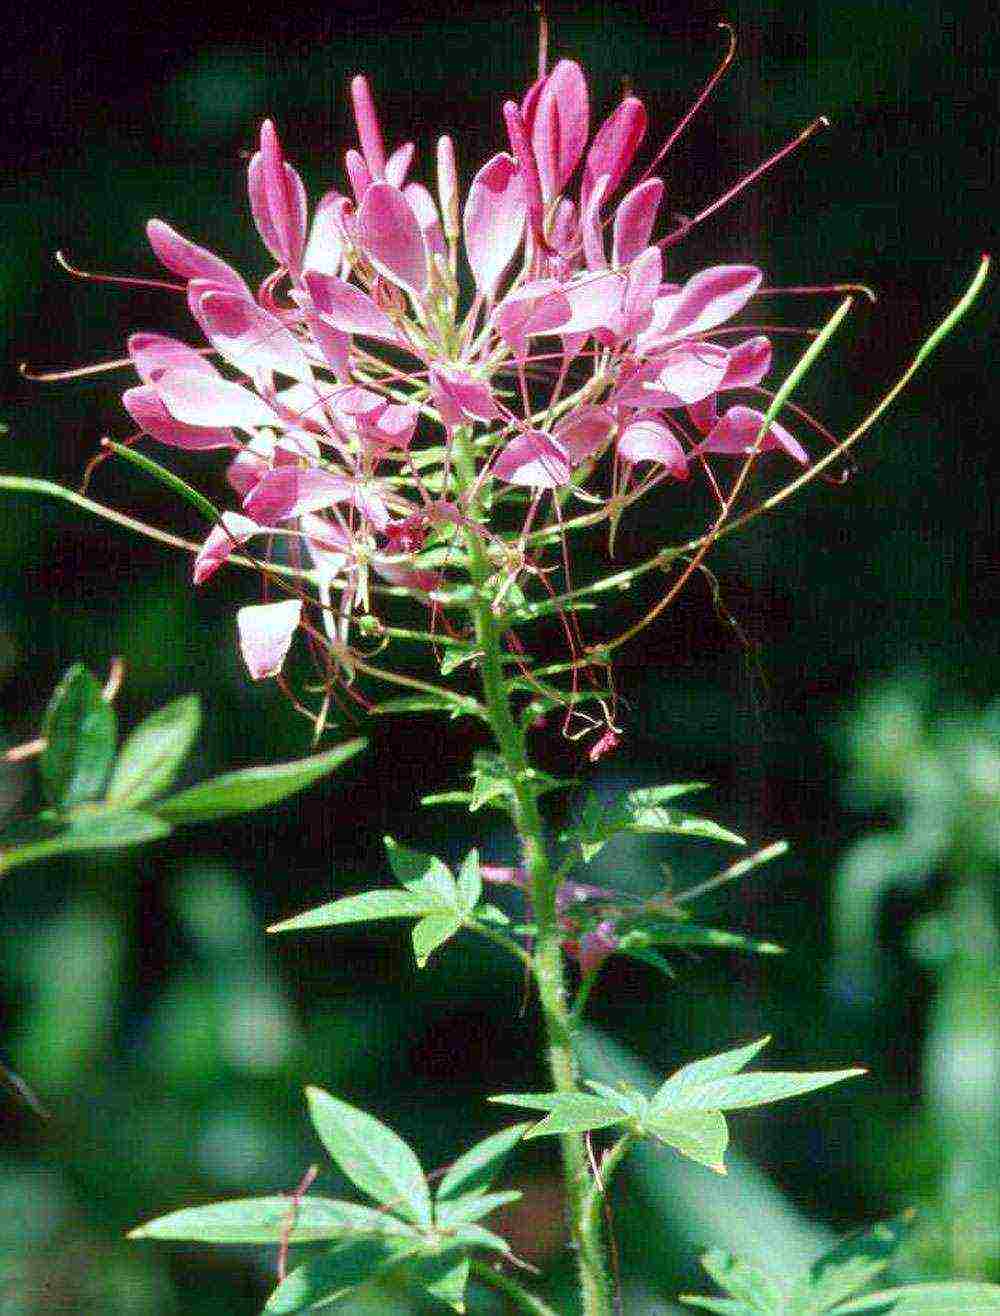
pixel 430 893
pixel 424 1243
pixel 641 810
pixel 88 812
pixel 685 1112
pixel 834 1282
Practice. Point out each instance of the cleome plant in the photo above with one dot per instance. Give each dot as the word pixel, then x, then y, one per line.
pixel 425 403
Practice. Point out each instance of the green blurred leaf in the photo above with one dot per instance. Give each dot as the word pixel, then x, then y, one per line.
pixel 374 1158
pixel 748 1284
pixel 721 1306
pixel 741 1091
pixel 949 1299
pixel 470 883
pixel 470 1207
pixel 152 755
pixel 80 730
pixel 252 788
pixel 700 1135
pixel 367 905
pixel 661 932
pixel 443 1278
pixel 421 872
pixel 102 829
pixel 642 810
pixel 267 1220
pixel 849 1267
pixel 477 1169
pixel 336 1272
pixel 432 932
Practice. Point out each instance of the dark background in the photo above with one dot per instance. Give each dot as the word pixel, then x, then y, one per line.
pixel 113 114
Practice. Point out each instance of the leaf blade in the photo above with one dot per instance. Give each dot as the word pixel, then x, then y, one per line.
pixel 152 754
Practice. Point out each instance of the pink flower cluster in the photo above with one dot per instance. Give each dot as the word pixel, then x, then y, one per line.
pixel 350 384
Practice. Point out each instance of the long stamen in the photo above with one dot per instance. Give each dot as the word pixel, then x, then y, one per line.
pixel 128 279
pixel 672 238
pixel 809 289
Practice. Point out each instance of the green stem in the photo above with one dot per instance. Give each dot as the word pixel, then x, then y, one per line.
pixel 598 1190
pixel 510 1288
pixel 547 958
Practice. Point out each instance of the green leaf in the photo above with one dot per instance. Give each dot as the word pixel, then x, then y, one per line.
pixel 446 797
pixel 475 1236
pixel 577 1112
pixel 741 1091
pixel 103 829
pixel 422 872
pixel 422 704
pixel 80 730
pixel 700 1135
pixel 336 1272
pixel 466 1210
pixel 689 1077
pixel 151 756
pixel 168 478
pixel 721 1306
pixel 683 935
pixel 632 1103
pixel 477 1169
pixel 470 883
pixel 443 1278
pixel 374 1158
pixel 849 1267
pixel 490 781
pixel 267 1220
pixel 362 908
pixel 432 932
pixel 641 810
pixel 252 788
pixel 746 1283
pixel 649 957
pixel 948 1299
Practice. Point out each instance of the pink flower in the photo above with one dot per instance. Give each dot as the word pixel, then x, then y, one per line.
pixel 266 631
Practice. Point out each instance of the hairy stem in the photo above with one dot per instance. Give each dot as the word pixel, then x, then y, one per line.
pixel 511 1289
pixel 547 957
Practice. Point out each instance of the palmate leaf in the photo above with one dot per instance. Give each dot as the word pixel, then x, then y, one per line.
pixel 336 1272
pixel 947 1299
pixel 715 1083
pixel 153 753
pixel 748 1284
pixel 569 1112
pixel 689 1077
pixel 476 1170
pixel 365 907
pixel 642 810
pixel 700 1135
pixel 423 872
pixel 444 1278
pixel 467 1209
pixel 270 1219
pixel 252 788
pixel 374 1158
pixel 80 731
pixel 849 1267
pixel 431 933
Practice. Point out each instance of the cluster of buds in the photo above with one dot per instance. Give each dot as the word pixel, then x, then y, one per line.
pixel 417 369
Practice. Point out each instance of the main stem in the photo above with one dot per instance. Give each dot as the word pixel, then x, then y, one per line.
pixel 547 959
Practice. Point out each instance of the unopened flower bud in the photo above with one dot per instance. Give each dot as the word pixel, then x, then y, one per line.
pixel 448 187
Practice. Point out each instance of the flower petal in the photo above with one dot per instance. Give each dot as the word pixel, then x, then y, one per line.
pixel 390 235
pixel 736 434
pixel 369 131
pixel 643 282
pixel 325 250
pixel 277 200
pixel 560 126
pixel 459 397
pixel 220 543
pixel 210 400
pixel 749 362
pixel 423 206
pixel 147 409
pixel 495 212
pixel 534 459
pixel 152 354
pixel 189 260
pixel 614 146
pixel 248 337
pixel 348 308
pixel 584 432
pixel 711 297
pixel 266 631
pixel 634 221
pixel 649 439
pixel 290 491
pixel 398 164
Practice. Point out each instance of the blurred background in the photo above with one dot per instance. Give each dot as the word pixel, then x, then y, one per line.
pixel 850 711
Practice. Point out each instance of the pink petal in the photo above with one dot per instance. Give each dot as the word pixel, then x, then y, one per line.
pixel 293 490
pixel 152 354
pixel 220 543
pixel 369 131
pixel 641 287
pixel 634 221
pixel 359 174
pixel 409 577
pixel 248 337
pixel 591 227
pixel 190 261
pixel 334 345
pixel 704 414
pixel 398 164
pixel 422 205
pixel 736 434
pixel 146 408
pixel 534 308
pixel 711 297
pixel 535 459
pixel 277 200
pixel 614 146
pixel 595 947
pixel 648 439
pixel 266 631
pixel 527 167
pixel 329 544
pixel 749 362
pixel 494 221
pixel 325 249
pixel 564 225
pixel 390 235
pixel 595 301
pixel 560 126
pixel 459 397
pixel 348 308
pixel 688 374
pixel 251 464
pixel 584 432
pixel 210 400
pixel 390 428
